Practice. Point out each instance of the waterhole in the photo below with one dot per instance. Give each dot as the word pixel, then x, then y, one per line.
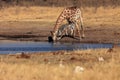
pixel 20 46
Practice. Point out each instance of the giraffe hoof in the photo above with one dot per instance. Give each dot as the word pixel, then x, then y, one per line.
pixel 83 37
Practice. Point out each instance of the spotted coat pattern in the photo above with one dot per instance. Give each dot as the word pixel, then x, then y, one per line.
pixel 71 14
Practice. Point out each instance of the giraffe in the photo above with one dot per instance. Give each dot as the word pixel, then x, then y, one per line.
pixel 66 30
pixel 71 14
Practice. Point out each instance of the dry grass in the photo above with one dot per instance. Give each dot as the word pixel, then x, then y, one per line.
pixel 35 68
pixel 29 14
pixel 108 71
pixel 91 16
pixel 103 16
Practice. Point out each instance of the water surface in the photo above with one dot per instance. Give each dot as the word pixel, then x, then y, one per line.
pixel 20 46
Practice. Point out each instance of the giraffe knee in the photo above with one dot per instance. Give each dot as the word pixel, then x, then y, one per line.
pixel 83 36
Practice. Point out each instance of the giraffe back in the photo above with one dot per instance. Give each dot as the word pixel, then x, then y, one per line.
pixel 71 14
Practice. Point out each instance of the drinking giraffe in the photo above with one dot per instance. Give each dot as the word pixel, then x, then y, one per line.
pixel 71 14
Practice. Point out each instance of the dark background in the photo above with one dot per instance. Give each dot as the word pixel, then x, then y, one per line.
pixel 60 3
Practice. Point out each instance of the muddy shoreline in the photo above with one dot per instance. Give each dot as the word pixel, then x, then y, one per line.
pixel 27 31
pixel 101 37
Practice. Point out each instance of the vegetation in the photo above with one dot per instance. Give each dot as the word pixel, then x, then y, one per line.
pixel 44 10
pixel 80 3
pixel 101 64
pixel 91 16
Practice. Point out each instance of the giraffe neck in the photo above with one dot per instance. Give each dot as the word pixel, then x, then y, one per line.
pixel 59 21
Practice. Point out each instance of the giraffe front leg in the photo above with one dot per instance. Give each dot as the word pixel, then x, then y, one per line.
pixel 78 31
pixel 82 32
pixel 74 33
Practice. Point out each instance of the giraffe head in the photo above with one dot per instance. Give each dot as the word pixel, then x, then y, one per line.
pixel 53 34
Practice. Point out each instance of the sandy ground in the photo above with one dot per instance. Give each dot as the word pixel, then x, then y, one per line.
pixel 40 31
